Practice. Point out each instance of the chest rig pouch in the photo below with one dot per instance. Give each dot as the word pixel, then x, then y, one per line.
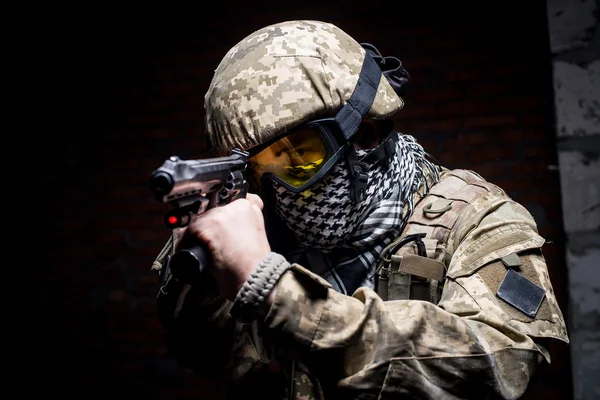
pixel 414 265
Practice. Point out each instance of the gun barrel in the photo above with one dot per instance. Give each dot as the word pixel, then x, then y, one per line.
pixel 182 178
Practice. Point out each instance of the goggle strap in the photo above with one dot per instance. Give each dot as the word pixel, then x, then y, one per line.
pixel 358 180
pixel 385 149
pixel 358 167
pixel 351 115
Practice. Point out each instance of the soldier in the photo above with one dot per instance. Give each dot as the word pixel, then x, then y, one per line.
pixel 373 273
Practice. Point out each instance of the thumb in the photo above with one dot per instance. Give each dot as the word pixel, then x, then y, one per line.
pixel 255 200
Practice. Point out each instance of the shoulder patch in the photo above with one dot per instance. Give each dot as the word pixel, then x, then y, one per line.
pixel 521 293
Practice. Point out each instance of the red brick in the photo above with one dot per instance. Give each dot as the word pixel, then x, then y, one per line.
pixel 490 121
pixel 537 120
pixel 440 96
pixel 491 171
pixel 456 158
pixel 409 111
pixel 470 58
pixel 523 135
pixel 476 138
pixel 465 108
pixel 461 75
pixel 540 151
pixel 521 104
pixel 443 125
pixel 512 69
pixel 422 62
pixel 530 167
pixel 514 185
pixel 483 90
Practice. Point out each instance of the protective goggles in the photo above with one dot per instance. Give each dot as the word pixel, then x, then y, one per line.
pixel 299 158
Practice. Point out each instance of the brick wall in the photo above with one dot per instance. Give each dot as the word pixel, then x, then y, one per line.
pixel 479 97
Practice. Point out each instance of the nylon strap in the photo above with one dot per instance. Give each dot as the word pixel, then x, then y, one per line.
pixel 351 115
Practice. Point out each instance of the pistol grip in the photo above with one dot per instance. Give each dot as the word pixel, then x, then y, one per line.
pixel 188 264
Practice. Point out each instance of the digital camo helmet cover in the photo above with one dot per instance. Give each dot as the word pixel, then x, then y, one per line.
pixel 281 76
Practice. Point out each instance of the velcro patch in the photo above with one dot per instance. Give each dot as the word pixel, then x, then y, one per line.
pixel 521 293
pixel 511 260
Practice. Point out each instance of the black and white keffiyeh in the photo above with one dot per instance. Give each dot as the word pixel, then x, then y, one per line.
pixel 342 240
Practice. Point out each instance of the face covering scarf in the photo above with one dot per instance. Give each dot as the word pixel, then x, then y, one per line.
pixel 342 240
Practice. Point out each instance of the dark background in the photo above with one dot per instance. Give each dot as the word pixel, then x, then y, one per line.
pixel 122 89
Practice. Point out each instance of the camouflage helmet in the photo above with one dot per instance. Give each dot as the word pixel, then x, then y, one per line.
pixel 283 75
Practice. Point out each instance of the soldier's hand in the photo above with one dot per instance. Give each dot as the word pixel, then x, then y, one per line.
pixel 235 236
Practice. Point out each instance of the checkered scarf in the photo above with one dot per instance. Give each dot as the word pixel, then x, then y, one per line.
pixel 342 240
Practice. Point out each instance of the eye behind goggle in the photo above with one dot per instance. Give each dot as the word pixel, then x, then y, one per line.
pixel 298 159
pixel 298 185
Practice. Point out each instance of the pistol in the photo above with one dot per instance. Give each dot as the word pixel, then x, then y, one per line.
pixel 192 187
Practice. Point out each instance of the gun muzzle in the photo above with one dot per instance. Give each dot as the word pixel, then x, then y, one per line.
pixel 161 183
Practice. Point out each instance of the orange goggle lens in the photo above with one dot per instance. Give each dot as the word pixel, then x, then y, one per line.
pixel 294 159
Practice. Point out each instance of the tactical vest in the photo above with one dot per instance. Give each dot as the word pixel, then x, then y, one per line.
pixel 414 265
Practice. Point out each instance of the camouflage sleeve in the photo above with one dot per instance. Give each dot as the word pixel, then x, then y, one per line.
pixel 202 336
pixel 471 345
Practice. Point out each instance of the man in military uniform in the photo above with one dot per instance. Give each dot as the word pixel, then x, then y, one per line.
pixel 377 274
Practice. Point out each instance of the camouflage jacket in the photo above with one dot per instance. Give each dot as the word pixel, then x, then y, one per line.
pixel 316 343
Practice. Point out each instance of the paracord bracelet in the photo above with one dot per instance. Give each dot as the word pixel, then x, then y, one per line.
pixel 257 288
